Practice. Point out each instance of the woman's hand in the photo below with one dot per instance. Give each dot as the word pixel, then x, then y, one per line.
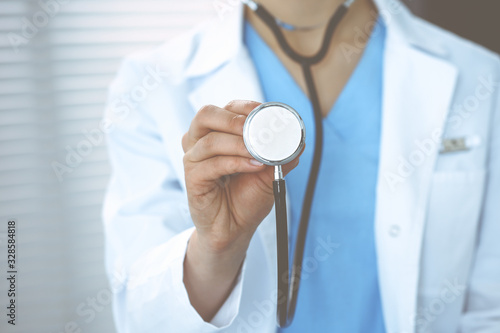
pixel 229 194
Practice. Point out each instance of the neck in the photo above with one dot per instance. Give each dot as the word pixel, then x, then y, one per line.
pixel 302 13
pixel 310 13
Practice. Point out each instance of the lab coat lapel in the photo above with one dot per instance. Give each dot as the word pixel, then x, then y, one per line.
pixel 223 65
pixel 418 87
pixel 237 79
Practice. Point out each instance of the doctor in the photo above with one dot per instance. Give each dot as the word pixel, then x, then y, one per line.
pixel 404 225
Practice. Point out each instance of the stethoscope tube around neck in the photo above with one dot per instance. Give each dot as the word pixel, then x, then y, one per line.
pixel 288 290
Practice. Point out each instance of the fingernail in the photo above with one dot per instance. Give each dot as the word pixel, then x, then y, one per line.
pixel 255 162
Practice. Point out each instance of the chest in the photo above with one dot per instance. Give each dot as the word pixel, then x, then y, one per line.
pixel 330 75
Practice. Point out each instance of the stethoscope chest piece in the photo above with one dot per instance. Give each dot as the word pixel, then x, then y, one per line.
pixel 274 133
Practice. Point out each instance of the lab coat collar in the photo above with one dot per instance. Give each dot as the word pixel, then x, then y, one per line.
pixel 220 42
pixel 402 24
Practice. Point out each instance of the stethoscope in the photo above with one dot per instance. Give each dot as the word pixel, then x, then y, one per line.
pixel 274 134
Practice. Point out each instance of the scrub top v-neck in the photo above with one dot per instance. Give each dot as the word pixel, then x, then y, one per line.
pixel 339 291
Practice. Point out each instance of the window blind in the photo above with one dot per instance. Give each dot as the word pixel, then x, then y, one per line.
pixel 53 85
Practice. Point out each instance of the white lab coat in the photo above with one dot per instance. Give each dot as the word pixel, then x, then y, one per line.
pixel 437 220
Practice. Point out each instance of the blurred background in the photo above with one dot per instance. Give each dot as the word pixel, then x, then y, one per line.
pixel 57 59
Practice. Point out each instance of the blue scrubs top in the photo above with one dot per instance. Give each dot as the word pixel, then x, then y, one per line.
pixel 339 291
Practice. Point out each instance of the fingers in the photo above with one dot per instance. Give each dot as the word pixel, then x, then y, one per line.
pixel 211 118
pixel 219 166
pixel 241 107
pixel 291 165
pixel 229 119
pixel 214 144
pixel 217 143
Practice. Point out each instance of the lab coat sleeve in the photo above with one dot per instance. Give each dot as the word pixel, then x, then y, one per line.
pixel 482 311
pixel 147 224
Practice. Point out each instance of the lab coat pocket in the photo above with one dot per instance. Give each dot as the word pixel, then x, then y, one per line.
pixel 451 228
